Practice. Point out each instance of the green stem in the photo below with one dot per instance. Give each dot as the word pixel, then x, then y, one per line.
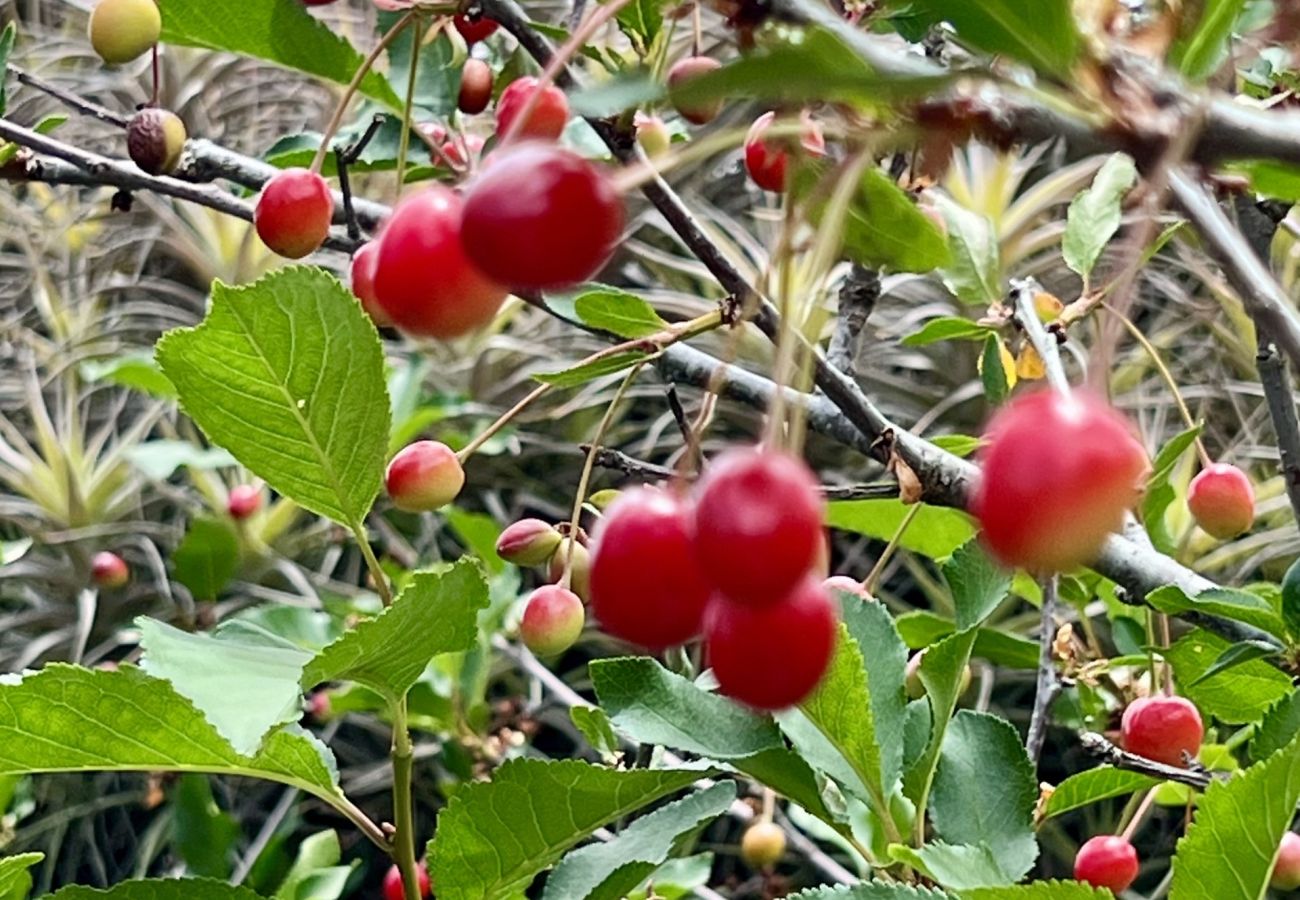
pixel 372 563
pixel 404 819
pixel 417 38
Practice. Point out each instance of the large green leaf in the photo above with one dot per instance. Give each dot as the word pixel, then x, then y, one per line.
pixel 207 558
pixel 1241 606
pixel 871 890
pixel 1094 214
pixel 958 867
pixel 978 584
pixel 1040 890
pixel 1238 696
pixel 618 312
pixel 1094 785
pixel 495 836
pixel 1278 728
pixel 15 879
pixel 1201 52
pixel 1038 32
pixel 935 531
pixel 884 229
pixel 974 274
pixel 942 671
pixel 437 612
pixel 609 871
pixel 279 31
pixel 203 834
pixel 287 374
pixel 1228 850
pixel 159 889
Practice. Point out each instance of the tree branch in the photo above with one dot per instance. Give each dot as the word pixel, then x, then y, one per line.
pixel 1049 684
pixel 1098 746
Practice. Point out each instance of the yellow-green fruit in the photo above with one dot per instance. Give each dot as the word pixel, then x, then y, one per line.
pixel 763 844
pixel 121 30
pixel 155 139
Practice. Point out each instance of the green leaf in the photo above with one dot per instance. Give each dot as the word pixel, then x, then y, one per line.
pixel 1239 653
pixel 870 890
pixel 1248 813
pixel 1160 494
pixel 641 21
pixel 1040 890
pixel 7 38
pixel 921 628
pixel 158 889
pixel 1278 180
pixel 884 229
pixel 279 31
pixel 618 312
pixel 437 79
pixel 494 837
pixel 959 867
pixel 1278 728
pixel 628 90
pixel 478 533
pixel 161 458
pixel 203 835
pixel 207 558
pixel 1038 32
pixel 1093 786
pixel 985 789
pixel 316 864
pixel 15 879
pixel 244 687
pixel 128 721
pixel 962 445
pixel 975 273
pixel 935 531
pixel 1094 214
pixel 1237 697
pixel 585 372
pixel 942 671
pixel 610 870
pixel 1240 606
pixel 978 584
pixel 947 328
pixel 1203 50
pixel 137 370
pixel 287 374
pixel 993 373
pixel 1290 593
pixel 596 728
pixel 436 613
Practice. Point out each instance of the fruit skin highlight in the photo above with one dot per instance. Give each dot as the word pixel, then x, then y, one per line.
pixel 123 30
pixel 1058 474
pixel 293 213
pixel 1107 861
pixel 1162 728
pixel 546 120
pixel 1222 500
pixel 155 140
pixel 553 620
pixel 424 476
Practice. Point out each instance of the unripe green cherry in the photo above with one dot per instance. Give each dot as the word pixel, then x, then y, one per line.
pixel 580 577
pixel 424 476
pixel 653 135
pixel 1286 871
pixel 122 30
pixel 155 140
pixel 528 542
pixel 763 844
pixel 553 620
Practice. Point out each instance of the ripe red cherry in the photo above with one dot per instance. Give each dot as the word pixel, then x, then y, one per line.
pixel 1162 728
pixel 475 87
pixel 768 160
pixel 393 888
pixel 758 524
pixel 553 620
pixel 1107 861
pixel 682 71
pixel 771 656
pixel 1286 871
pixel 293 213
pixel 646 587
pixel 478 28
pixel 423 280
pixel 1058 474
pixel 364 263
pixel 547 119
pixel 539 218
pixel 243 501
pixel 424 476
pixel 108 570
pixel 1222 500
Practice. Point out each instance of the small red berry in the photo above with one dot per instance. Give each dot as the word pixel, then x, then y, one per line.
pixel 682 71
pixel 243 501
pixel 478 28
pixel 545 121
pixel 1222 500
pixel 1162 728
pixel 772 656
pixel 1058 475
pixel 758 524
pixel 1107 861
pixel 539 218
pixel 553 620
pixel 293 213
pixel 580 570
pixel 475 87
pixel 646 586
pixel 394 889
pixel 763 844
pixel 108 570
pixel 318 704
pixel 423 279
pixel 768 160
pixel 364 263
pixel 452 149
pixel 1286 871
pixel 424 476
pixel 528 542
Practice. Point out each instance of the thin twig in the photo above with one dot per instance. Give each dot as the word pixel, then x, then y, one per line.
pixel 1100 747
pixel 1281 408
pixel 1049 683
pixel 1045 343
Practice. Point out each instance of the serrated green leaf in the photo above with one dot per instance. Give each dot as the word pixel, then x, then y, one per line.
pixel 935 531
pixel 959 867
pixel 7 38
pixel 1237 697
pixel 1041 33
pixel 1248 813
pixel 947 328
pixel 137 370
pixel 1236 655
pixel 1094 214
pixel 1040 890
pixel 618 312
pixel 921 628
pixel 975 273
pixel 495 836
pixel 287 374
pixel 1240 606
pixel 15 879
pixel 596 728
pixel 158 889
pixel 207 558
pixel 1205 47
pixel 985 789
pixel 978 584
pixel 941 673
pixel 610 870
pixel 1289 599
pixel 585 372
pixel 1278 727
pixel 1093 786
pixel 436 613
pixel 872 890
pixel 885 230
pixel 278 31
pixel 641 20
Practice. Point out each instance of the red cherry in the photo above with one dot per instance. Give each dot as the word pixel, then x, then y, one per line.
pixel 768 161
pixel 108 570
pixel 1058 475
pixel 1286 871
pixel 394 889
pixel 758 524
pixel 293 213
pixel 364 263
pixel 547 119
pixel 682 71
pixel 475 87
pixel 451 149
pixel 1107 861
pixel 1222 500
pixel 243 501
pixel 646 587
pixel 424 476
pixel 540 218
pixel 478 28
pixel 772 656
pixel 553 620
pixel 423 280
pixel 1162 728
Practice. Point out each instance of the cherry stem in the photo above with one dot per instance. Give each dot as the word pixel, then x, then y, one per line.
pixel 337 119
pixel 486 434
pixel 870 581
pixel 403 814
pixel 372 564
pixel 157 78
pixel 697 28
pixel 1139 814
pixel 769 797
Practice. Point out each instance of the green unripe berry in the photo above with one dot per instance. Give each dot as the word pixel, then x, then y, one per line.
pixel 528 542
pixel 122 30
pixel 763 844
pixel 155 140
